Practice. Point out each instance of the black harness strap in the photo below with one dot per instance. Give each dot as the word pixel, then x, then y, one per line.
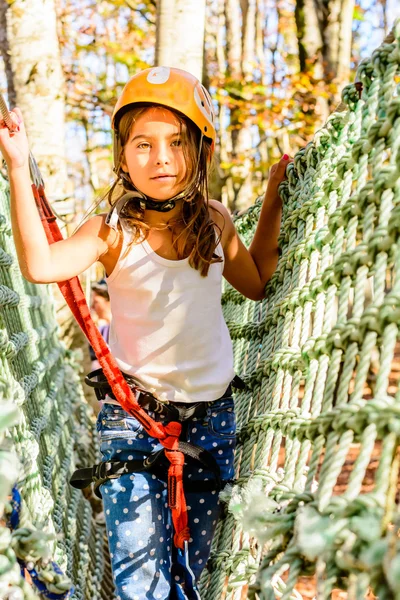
pixel 175 412
pixel 98 474
pixel 156 462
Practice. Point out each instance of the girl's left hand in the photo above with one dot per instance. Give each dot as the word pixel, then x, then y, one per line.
pixel 276 176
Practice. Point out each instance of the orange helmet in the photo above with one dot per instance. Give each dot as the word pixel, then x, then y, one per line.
pixel 172 88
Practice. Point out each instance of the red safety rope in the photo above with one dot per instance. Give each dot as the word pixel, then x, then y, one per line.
pixel 168 435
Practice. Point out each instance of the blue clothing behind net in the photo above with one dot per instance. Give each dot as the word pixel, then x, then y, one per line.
pixel 105 332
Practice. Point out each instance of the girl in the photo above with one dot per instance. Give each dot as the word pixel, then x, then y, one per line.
pixel 164 246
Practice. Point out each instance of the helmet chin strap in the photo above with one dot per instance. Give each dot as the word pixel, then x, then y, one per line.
pixel 147 203
pixel 157 205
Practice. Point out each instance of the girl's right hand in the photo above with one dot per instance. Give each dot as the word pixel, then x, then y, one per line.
pixel 14 145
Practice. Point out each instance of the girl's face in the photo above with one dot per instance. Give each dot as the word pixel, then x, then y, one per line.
pixel 153 154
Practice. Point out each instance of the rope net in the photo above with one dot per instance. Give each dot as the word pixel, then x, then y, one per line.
pixel 46 430
pixel 315 504
pixel 318 356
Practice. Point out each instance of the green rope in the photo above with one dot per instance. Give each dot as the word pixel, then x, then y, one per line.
pixel 46 423
pixel 317 357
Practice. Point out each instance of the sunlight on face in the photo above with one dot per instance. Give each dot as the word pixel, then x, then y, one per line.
pixel 153 155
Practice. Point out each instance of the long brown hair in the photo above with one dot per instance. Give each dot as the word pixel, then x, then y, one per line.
pixel 193 232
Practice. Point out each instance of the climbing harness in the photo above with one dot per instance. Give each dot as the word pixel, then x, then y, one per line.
pixel 177 410
pixel 155 462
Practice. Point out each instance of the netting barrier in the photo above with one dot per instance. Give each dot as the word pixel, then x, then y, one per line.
pixel 315 505
pixel 47 529
pixel 319 359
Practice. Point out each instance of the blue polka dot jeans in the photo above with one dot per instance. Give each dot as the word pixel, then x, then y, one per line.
pixel 145 563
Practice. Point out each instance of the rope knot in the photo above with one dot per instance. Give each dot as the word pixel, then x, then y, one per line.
pixel 177 459
pixel 172 432
pixel 173 428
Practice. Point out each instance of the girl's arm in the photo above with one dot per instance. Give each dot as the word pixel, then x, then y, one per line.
pixel 249 270
pixel 40 262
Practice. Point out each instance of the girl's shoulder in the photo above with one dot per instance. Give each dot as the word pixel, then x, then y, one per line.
pixel 223 220
pixel 97 225
pixel 112 240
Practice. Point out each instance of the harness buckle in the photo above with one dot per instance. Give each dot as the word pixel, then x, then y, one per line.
pixel 103 471
pixel 99 471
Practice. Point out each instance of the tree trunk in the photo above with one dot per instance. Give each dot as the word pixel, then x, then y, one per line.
pixel 324 31
pixel 180 34
pixel 233 20
pixel 248 38
pixel 39 85
pixel 335 23
pixel 309 38
pixel 240 21
pixel 5 52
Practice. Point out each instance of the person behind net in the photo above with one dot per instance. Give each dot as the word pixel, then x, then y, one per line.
pixel 165 247
pixel 100 305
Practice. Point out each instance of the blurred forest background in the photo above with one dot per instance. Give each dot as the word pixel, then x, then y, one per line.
pixel 275 69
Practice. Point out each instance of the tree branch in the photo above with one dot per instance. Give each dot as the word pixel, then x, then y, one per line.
pixel 140 11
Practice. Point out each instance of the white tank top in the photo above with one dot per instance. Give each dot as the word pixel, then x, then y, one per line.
pixel 167 327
